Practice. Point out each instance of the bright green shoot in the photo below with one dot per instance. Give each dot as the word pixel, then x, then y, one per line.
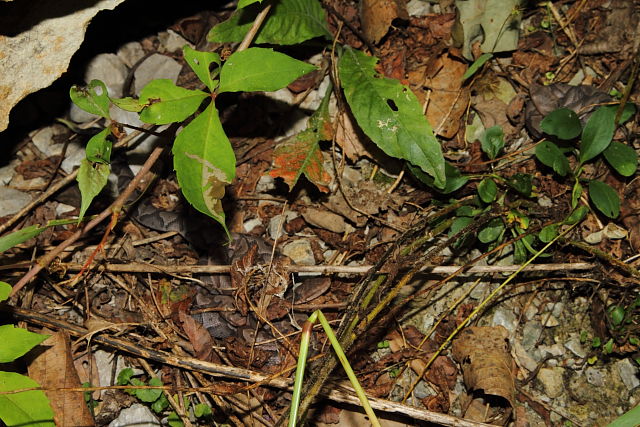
pixel 302 362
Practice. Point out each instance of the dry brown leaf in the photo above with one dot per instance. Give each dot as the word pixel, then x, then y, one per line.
pixel 198 335
pixel 487 367
pixel 54 369
pixel 376 17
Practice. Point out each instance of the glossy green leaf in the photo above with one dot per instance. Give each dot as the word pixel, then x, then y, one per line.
pixel 492 141
pixel 576 216
pixel 93 99
pixel 205 163
pixel 10 240
pixel 522 183
pixel 5 290
pixel 487 190
pixel 455 179
pixel 477 64
pixel 99 148
pixel 628 111
pixel 149 395
pixel 200 63
pixel 604 198
pixel 28 408
pixel 597 133
pixel 491 231
pixel 92 177
pixel 550 155
pixel 128 104
pixel 289 22
pixel 390 114
pixel 168 103
pixel 563 123
pixel 622 158
pixel 244 3
pixel 16 342
pixel 257 68
pixel 548 233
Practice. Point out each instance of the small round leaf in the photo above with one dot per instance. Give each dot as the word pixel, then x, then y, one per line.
pixel 622 158
pixel 487 190
pixel 562 123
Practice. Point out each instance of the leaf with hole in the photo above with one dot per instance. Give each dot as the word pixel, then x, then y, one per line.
pixel 597 133
pixel 604 198
pixel 563 123
pixel 93 99
pixel 167 103
pixel 204 163
pixel 487 190
pixel 99 148
pixel 92 177
pixel 390 114
pixel 200 63
pixel 550 155
pixel 289 22
pixel 261 69
pixel 622 158
pixel 492 141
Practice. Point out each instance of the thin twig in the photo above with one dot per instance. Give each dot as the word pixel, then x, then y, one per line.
pixel 257 23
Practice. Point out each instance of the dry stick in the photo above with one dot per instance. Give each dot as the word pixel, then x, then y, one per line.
pixel 257 23
pixel 115 207
pixel 231 372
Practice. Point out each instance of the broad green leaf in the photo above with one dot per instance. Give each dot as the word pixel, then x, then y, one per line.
pixel 605 198
pixel 492 141
pixel 28 408
pixel 289 22
pixel 458 224
pixel 5 290
pixel 10 240
pixel 124 376
pixel 476 65
pixel 389 113
pixel 455 179
pixel 160 404
pixel 622 158
pixel 487 190
pixel 617 314
pixel 548 233
pixel 628 419
pixel 257 68
pixel 93 99
pixel 300 154
pixel 16 342
pixel 550 155
pixel 597 133
pixel 128 104
pixel 202 410
pixel 576 216
pixel 149 395
pixel 168 103
pixel 576 193
pixel 205 163
pixel 563 123
pixel 244 3
pixel 92 177
pixel 522 183
pixel 200 63
pixel 491 231
pixel 98 148
pixel 174 420
pixel 628 111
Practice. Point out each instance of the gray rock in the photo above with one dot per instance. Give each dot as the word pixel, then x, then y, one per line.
pixel 43 140
pixel 7 172
pixel 136 415
pixel 172 41
pixel 628 373
pixel 325 219
pixel 551 379
pixel 156 67
pixel 109 68
pixel 265 183
pixel 300 252
pixel 594 376
pixel 504 318
pixel 530 334
pixel 130 53
pixel 12 200
pixel 75 154
pixel 574 345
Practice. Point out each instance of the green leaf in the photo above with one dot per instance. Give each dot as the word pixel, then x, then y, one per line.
pixel 93 99
pixel 491 231
pixel 604 198
pixel 622 158
pixel 628 419
pixel 244 3
pixel 124 376
pixel 149 395
pixel 458 224
pixel 27 408
pixel 576 216
pixel 550 155
pixel 205 163
pixel 257 68
pixel 17 342
pixel 92 177
pixel 455 179
pixel 10 240
pixel 202 410
pixel 200 63
pixel 98 148
pixel 168 103
pixel 628 111
pixel 5 290
pixel 160 404
pixel 487 190
pixel 522 183
pixel 492 141
pixel 390 114
pixel 616 313
pixel 576 193
pixel 289 22
pixel 597 133
pixel 128 104
pixel 563 123
pixel 477 64
pixel 548 233
pixel 174 420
